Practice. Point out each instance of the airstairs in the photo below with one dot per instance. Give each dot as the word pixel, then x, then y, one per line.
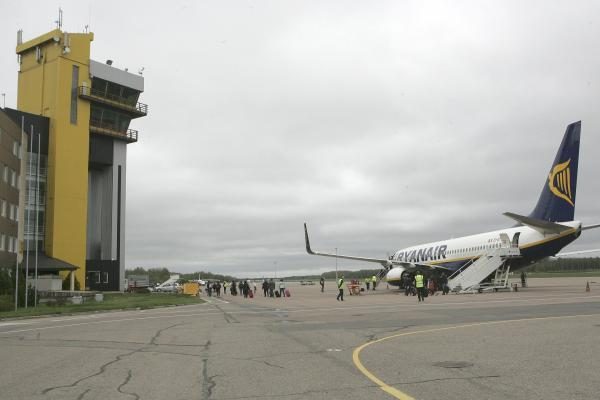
pixel 381 275
pixel 469 277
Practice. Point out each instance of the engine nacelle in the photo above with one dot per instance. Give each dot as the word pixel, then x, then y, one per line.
pixel 394 275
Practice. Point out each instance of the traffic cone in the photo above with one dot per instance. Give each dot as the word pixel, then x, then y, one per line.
pixel 587 286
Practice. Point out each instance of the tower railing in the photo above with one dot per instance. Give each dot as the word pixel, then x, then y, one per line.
pixel 121 102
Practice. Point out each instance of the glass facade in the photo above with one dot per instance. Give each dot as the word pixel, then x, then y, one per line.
pixel 35 202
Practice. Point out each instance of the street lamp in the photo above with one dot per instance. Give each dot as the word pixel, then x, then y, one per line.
pixel 336 274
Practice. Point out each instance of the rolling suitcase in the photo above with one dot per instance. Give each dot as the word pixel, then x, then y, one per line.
pixel 287 292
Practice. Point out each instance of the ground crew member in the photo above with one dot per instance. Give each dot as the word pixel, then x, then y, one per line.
pixel 340 284
pixel 374 281
pixel 367 282
pixel 523 279
pixel 420 285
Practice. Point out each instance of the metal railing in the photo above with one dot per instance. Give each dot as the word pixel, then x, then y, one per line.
pixel 86 91
pixel 130 135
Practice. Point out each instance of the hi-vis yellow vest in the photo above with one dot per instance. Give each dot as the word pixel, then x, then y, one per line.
pixel 419 281
pixel 340 283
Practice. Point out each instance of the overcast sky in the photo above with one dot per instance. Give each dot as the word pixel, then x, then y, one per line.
pixel 381 124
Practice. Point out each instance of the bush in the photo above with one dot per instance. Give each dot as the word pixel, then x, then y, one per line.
pixel 66 283
pixel 6 303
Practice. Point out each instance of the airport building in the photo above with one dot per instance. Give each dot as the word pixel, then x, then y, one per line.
pixel 10 195
pixel 79 201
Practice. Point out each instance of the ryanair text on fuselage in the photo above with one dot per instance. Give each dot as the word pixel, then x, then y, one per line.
pixel 424 254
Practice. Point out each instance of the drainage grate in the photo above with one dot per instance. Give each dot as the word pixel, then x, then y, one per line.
pixel 453 364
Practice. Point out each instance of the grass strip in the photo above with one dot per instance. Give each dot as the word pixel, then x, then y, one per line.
pixel 112 301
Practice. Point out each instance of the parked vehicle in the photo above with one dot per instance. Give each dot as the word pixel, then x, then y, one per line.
pixel 138 283
pixel 168 288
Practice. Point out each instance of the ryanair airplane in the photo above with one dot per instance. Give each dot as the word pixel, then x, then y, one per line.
pixel 541 234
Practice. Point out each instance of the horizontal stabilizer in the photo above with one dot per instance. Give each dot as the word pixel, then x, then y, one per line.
pixel 538 224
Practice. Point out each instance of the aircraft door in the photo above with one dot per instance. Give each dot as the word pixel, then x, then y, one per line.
pixel 515 239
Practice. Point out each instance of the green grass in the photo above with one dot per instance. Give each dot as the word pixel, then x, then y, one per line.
pixel 111 301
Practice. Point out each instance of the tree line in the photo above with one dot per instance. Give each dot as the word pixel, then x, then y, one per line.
pixel 159 275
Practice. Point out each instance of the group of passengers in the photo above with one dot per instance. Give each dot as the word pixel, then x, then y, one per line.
pixel 430 285
pixel 269 288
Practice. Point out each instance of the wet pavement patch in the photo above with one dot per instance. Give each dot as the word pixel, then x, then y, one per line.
pixel 453 364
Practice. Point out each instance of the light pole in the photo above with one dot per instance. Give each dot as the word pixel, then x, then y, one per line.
pixel 336 274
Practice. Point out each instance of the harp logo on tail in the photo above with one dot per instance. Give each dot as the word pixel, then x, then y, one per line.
pixel 559 182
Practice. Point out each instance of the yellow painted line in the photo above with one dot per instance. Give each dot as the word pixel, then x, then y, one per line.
pixel 403 396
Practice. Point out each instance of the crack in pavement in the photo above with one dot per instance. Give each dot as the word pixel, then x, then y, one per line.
pixel 208 383
pixel 373 336
pixel 256 359
pixel 80 397
pixel 160 331
pixel 448 379
pixel 102 370
pixel 307 392
pixel 127 379
pixel 118 358
pixel 228 317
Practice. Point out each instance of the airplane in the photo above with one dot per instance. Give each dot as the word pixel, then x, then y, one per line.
pixel 542 234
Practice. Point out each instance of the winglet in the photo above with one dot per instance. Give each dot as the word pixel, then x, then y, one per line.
pixel 308 249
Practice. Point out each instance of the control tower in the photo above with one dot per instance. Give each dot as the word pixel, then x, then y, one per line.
pixel 90 106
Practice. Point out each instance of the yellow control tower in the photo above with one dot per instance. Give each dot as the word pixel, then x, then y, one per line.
pixel 90 106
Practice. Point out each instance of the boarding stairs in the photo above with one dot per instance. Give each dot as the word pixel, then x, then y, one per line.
pixel 381 275
pixel 470 277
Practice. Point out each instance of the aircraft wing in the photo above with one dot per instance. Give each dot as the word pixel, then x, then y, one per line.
pixel 572 253
pixel 585 228
pixel 383 261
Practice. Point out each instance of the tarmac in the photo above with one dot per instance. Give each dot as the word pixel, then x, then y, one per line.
pixel 541 342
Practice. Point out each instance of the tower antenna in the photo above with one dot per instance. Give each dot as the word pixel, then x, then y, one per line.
pixel 59 21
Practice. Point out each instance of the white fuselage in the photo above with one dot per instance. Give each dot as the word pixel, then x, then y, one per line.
pixel 454 253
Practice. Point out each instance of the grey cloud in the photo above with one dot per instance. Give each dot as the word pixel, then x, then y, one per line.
pixel 382 125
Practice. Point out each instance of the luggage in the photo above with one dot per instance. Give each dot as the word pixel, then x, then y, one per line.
pixel 287 292
pixel 251 293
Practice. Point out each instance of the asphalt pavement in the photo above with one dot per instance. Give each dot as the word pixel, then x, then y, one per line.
pixel 539 343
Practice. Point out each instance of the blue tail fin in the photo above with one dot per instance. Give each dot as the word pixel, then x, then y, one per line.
pixel 557 201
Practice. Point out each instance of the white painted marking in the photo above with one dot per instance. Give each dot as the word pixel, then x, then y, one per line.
pixel 16 323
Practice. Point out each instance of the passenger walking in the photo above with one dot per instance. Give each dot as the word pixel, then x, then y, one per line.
pixel 374 281
pixel 322 283
pixel 224 287
pixel 265 288
pixel 407 283
pixel 368 282
pixel 340 284
pixel 420 285
pixel 233 288
pixel 444 284
pixel 281 288
pixel 209 288
pixel 271 288
pixel 218 284
pixel 523 279
pixel 254 285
